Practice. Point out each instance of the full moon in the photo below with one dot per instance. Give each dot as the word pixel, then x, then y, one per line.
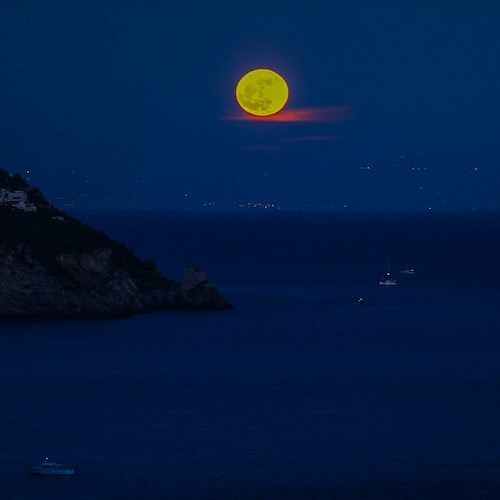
pixel 262 92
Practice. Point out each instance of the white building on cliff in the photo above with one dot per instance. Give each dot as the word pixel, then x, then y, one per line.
pixel 17 199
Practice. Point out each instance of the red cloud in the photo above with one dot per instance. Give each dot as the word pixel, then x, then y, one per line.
pixel 333 114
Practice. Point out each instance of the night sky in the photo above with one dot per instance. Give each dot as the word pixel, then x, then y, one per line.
pixel 130 105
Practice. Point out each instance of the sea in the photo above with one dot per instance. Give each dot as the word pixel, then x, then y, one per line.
pixel 299 392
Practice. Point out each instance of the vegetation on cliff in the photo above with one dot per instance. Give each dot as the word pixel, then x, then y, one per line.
pixel 47 238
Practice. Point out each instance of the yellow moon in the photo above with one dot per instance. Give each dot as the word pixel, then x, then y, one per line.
pixel 262 92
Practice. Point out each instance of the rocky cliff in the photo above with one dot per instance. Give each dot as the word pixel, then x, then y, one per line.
pixel 52 265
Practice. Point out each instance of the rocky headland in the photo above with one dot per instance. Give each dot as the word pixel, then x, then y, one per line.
pixel 52 265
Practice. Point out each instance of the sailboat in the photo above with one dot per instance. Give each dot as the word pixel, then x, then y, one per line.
pixel 389 280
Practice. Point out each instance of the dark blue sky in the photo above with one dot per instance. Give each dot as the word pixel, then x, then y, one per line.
pixel 124 104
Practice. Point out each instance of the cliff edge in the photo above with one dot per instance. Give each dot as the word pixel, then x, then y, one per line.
pixel 52 265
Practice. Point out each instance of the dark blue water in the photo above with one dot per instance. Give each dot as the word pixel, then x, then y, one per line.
pixel 297 393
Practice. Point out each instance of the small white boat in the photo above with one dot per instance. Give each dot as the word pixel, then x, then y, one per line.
pixel 47 468
pixel 389 280
pixel 409 271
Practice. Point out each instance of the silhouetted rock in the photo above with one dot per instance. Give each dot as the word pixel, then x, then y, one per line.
pixel 52 265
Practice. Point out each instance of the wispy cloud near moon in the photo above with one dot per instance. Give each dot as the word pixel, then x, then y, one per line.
pixel 264 147
pixel 312 138
pixel 333 114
